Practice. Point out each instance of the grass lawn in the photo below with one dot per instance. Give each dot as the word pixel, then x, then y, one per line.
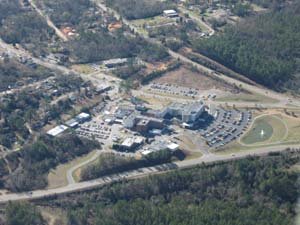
pixel 195 13
pixel 256 98
pixel 58 176
pixel 294 129
pixel 279 135
pixel 83 68
pixel 265 130
pixel 192 155
pixel 77 173
pixel 141 24
pixel 152 21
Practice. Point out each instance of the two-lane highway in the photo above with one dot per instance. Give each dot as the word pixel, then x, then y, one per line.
pixel 139 173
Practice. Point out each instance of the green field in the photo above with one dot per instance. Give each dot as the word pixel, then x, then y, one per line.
pixel 260 132
pixel 266 129
pixel 284 130
pixel 255 98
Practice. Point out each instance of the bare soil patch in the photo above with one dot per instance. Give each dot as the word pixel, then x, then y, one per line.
pixel 193 79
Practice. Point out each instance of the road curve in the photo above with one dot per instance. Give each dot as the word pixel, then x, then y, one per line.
pixel 283 99
pixel 135 174
pixel 70 172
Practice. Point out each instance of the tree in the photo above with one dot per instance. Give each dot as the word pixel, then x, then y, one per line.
pixel 22 213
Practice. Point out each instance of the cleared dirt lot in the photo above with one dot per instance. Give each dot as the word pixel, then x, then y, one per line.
pixel 194 79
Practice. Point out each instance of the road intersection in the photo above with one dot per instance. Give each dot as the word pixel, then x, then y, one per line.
pixel 283 101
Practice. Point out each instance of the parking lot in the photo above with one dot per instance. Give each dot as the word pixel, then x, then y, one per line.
pixel 94 129
pixel 226 127
pixel 172 89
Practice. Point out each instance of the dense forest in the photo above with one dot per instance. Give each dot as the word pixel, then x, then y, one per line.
pixel 20 25
pixel 110 164
pixel 65 11
pixel 30 109
pixel 14 73
pixel 265 48
pixel 22 213
pixel 35 160
pixel 94 42
pixel 234 3
pixel 251 191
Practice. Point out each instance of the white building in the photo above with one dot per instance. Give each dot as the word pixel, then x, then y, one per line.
pixel 130 121
pixel 82 117
pixel 192 112
pixel 171 13
pixel 72 123
pixel 173 147
pixel 57 130
pixel 103 88
pixel 132 142
pixel 111 63
pixel 188 113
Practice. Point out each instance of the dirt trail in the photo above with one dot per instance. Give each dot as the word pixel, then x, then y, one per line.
pixel 60 34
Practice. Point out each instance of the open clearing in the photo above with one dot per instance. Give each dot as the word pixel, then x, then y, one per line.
pixel 58 176
pixel 285 131
pixel 249 97
pixel 266 129
pixel 153 21
pixel 83 68
pixel 187 78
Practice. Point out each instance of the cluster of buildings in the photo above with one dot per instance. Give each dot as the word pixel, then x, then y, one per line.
pixel 187 113
pixel 148 130
pixel 145 128
pixel 131 143
pixel 72 123
pixel 151 122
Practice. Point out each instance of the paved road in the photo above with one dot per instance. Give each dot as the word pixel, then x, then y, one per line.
pixel 199 20
pixel 49 22
pixel 283 99
pixel 32 85
pixel 140 173
pixel 70 172
pixel 239 104
pixel 151 170
pixel 7 48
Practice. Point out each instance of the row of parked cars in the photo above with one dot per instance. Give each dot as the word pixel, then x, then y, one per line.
pixel 226 127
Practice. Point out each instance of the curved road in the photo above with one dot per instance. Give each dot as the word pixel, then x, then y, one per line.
pixel 70 172
pixel 283 99
pixel 135 174
pixel 143 172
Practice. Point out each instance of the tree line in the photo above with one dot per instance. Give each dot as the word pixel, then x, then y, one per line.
pixel 251 191
pixel 263 48
pixel 35 160
pixel 109 164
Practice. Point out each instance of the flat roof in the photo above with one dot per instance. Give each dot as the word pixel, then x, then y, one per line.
pixel 128 142
pixel 72 123
pixel 170 11
pixel 83 115
pixel 115 61
pixel 193 108
pixel 138 140
pixel 173 146
pixel 146 152
pixel 57 130
pixel 103 87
